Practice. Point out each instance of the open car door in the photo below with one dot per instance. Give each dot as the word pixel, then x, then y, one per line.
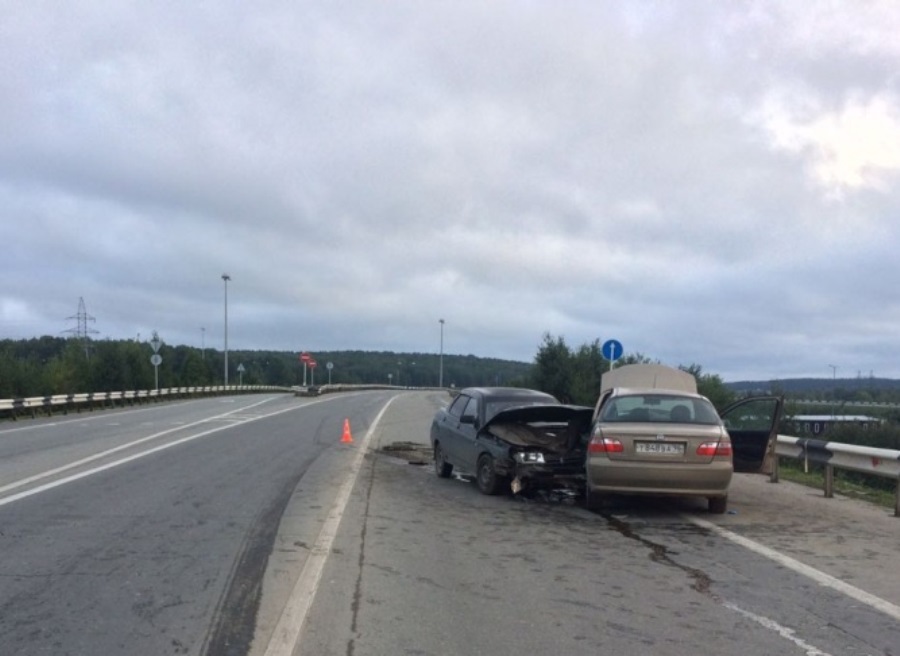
pixel 753 426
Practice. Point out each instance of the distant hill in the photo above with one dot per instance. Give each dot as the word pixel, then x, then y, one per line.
pixel 814 384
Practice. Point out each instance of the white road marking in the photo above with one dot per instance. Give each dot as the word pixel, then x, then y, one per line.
pixel 783 631
pixel 818 576
pixel 89 472
pixel 287 631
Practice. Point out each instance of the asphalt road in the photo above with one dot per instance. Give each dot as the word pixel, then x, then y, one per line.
pixel 428 566
pixel 148 531
pixel 244 525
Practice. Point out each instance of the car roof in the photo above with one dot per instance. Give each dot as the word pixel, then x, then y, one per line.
pixel 505 392
pixel 629 391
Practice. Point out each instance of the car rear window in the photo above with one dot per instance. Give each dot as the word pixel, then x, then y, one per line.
pixel 659 408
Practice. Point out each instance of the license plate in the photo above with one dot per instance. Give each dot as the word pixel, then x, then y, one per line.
pixel 660 448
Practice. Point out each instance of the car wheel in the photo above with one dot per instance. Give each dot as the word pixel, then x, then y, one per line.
pixel 718 505
pixel 441 467
pixel 595 501
pixel 486 477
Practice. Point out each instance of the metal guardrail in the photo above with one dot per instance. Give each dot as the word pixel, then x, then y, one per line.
pixel 64 402
pixel 868 460
pixel 32 405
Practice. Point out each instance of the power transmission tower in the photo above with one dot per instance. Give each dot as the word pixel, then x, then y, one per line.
pixel 81 330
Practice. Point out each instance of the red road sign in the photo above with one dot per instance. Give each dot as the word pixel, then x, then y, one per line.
pixel 305 357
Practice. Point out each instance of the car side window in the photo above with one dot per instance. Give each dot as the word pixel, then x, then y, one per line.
pixel 471 408
pixel 456 408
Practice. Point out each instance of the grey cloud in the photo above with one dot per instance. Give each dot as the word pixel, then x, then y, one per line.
pixel 603 170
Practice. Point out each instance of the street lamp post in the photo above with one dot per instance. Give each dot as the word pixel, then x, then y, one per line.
pixel 226 278
pixel 441 367
pixel 833 387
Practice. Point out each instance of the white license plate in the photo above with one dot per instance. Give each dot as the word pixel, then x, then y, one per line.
pixel 660 448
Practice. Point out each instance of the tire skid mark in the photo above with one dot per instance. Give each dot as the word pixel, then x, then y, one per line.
pixel 357 589
pixel 234 623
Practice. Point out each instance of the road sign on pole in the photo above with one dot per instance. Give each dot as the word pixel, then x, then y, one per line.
pixel 612 350
pixel 305 358
pixel 156 360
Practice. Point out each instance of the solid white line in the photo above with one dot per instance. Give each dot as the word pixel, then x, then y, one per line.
pixel 818 576
pixel 108 452
pixel 287 632
pixel 783 631
pixel 110 465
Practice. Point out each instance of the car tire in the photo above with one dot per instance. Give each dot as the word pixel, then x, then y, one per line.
pixel 486 476
pixel 441 467
pixel 595 501
pixel 718 505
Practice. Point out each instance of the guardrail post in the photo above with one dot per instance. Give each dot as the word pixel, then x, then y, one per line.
pixel 897 499
pixel 773 477
pixel 829 481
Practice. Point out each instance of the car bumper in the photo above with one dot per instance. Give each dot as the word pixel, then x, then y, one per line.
pixel 710 479
pixel 546 474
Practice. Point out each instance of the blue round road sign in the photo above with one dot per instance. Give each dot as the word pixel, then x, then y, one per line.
pixel 612 350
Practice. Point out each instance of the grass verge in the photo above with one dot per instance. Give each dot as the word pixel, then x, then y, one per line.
pixel 856 488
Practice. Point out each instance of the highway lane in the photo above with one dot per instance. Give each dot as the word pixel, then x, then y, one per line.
pixel 160 546
pixel 249 528
pixel 423 565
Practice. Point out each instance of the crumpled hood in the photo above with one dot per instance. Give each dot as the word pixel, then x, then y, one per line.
pixel 553 413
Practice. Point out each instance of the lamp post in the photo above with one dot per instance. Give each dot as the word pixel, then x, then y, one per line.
pixel 441 367
pixel 833 387
pixel 226 278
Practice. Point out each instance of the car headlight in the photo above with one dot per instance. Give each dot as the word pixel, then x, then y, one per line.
pixel 530 457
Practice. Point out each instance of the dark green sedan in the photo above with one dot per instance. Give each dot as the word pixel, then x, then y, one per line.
pixel 511 439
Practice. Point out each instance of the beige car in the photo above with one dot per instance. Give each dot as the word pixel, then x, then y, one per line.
pixel 652 433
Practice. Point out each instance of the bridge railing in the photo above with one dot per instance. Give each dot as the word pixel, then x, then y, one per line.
pixel 836 455
pixel 33 405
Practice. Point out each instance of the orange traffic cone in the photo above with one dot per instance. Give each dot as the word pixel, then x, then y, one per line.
pixel 346 437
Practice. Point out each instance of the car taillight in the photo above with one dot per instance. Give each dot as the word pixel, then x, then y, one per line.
pixel 714 449
pixel 605 445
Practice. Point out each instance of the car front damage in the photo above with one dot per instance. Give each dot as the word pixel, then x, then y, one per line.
pixel 544 445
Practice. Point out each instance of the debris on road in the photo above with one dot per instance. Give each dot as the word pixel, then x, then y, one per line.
pixel 413 453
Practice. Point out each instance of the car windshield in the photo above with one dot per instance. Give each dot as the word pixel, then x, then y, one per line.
pixel 661 408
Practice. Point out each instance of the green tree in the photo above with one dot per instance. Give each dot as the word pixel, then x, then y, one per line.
pixel 588 365
pixel 711 386
pixel 553 368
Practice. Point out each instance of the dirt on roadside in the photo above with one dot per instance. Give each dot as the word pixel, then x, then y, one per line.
pixel 413 453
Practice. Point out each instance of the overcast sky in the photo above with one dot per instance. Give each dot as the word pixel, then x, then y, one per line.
pixel 707 182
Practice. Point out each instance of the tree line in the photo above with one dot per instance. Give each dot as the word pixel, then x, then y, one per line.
pixel 66 365
pixel 573 374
